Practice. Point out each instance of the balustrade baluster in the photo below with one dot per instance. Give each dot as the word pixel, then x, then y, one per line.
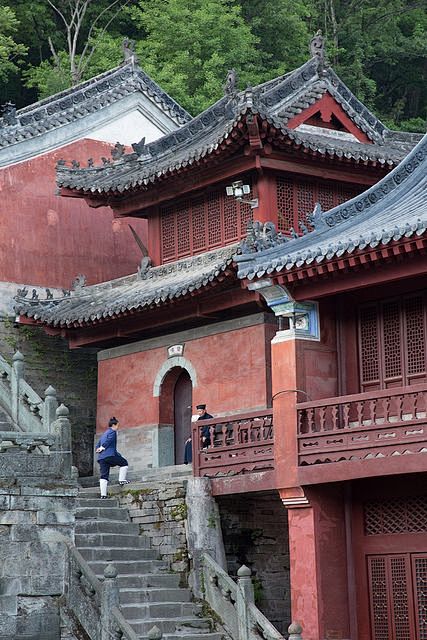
pixel 386 404
pixel 371 410
pixel 334 416
pixel 322 418
pixel 359 412
pixel 399 407
pixel 346 414
pixel 311 426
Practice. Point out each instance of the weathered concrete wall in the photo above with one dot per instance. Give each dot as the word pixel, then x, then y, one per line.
pixel 255 531
pixel 34 515
pixel 73 374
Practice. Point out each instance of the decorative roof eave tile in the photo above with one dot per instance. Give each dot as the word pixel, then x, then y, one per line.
pixel 133 174
pixel 391 211
pixel 156 287
pixel 85 98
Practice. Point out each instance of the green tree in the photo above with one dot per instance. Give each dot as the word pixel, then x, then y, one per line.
pixel 11 52
pixel 190 44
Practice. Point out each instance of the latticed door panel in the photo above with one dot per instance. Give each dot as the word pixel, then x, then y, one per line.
pixel 392 612
pixel 419 578
pixel 296 199
pixel 393 343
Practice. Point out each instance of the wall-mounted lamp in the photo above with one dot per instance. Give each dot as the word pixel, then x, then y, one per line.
pixel 238 190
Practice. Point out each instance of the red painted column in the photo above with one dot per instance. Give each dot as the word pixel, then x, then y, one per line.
pixel 265 191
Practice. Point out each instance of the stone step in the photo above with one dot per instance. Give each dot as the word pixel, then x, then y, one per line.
pixel 192 636
pixel 129 568
pixel 148 580
pixel 107 526
pixel 87 502
pixel 146 610
pixel 113 554
pixel 102 513
pixel 117 540
pixel 173 625
pixel 139 595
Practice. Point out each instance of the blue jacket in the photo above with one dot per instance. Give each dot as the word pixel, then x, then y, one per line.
pixel 108 440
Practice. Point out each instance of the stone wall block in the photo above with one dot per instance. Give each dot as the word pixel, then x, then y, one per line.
pixel 17 517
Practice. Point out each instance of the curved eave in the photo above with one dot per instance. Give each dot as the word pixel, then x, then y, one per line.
pixel 216 280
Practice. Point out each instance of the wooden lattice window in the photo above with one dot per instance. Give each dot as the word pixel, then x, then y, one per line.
pixel 393 342
pixel 395 516
pixel 398 596
pixel 193 226
pixel 296 198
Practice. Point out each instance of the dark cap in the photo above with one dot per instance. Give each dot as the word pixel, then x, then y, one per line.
pixel 112 421
pixel 200 406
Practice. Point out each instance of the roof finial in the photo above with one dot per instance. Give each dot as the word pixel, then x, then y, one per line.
pixel 9 114
pixel 230 86
pixel 129 54
pixel 317 47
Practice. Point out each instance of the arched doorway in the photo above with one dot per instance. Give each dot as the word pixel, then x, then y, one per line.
pixel 182 403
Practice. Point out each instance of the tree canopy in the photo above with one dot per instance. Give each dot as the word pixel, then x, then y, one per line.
pixel 378 47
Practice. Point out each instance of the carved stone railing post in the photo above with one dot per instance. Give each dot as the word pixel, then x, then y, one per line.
pixel 245 595
pixel 50 407
pixel 109 600
pixel 16 377
pixel 61 427
pixel 295 631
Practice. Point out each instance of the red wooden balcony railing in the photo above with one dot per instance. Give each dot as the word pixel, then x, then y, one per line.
pixel 376 424
pixel 240 444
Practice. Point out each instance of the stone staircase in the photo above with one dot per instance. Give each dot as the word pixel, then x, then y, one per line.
pixel 149 592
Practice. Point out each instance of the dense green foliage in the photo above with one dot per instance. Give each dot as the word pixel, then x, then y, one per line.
pixel 378 47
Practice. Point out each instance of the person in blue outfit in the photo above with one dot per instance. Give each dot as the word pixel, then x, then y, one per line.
pixel 108 457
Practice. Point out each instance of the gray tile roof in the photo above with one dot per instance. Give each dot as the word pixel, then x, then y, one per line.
pixel 394 208
pixel 275 102
pixel 83 99
pixel 155 287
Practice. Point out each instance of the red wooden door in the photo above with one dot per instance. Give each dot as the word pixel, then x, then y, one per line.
pixel 182 414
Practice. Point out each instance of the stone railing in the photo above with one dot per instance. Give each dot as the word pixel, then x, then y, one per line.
pixel 38 454
pixel 234 604
pixel 363 426
pixel 95 603
pixel 239 444
pixel 28 411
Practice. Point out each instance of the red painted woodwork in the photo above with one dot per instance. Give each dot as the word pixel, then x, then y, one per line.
pixel 47 240
pixel 331 114
pixel 363 426
pixel 393 342
pixel 240 444
pixel 182 413
pixel 199 224
pixel 296 198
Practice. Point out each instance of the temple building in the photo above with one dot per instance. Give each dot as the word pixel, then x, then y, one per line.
pixel 284 287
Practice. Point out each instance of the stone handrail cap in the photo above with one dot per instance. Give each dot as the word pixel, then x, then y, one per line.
pixel 17 356
pixel 50 391
pixel 244 572
pixel 295 627
pixel 62 411
pixel 154 633
pixel 110 571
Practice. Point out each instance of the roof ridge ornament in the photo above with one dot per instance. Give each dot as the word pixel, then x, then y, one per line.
pixel 129 54
pixel 9 114
pixel 261 236
pixel 230 86
pixel 317 50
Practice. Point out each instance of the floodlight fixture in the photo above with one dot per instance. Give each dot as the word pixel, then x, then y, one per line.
pixel 237 190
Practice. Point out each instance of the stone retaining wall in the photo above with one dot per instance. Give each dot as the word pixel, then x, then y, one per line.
pixel 255 532
pixel 160 510
pixel 34 515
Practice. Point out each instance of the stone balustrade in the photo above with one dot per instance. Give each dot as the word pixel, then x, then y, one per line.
pixel 234 604
pixel 28 411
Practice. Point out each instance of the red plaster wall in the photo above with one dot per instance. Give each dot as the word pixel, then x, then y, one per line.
pixel 46 239
pixel 231 377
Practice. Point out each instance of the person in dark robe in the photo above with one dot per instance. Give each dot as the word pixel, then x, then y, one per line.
pixel 204 415
pixel 188 451
pixel 108 457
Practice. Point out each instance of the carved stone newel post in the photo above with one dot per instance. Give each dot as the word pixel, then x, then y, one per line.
pixel 245 596
pixel 15 383
pixel 109 600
